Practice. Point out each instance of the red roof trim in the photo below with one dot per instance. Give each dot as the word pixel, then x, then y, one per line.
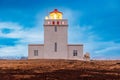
pixel 56 11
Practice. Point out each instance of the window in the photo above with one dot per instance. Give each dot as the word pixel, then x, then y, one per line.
pixel 74 52
pixel 53 22
pixel 35 52
pixel 55 47
pixel 57 22
pixel 55 28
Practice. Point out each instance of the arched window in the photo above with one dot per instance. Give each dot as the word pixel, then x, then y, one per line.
pixel 57 22
pixel 53 22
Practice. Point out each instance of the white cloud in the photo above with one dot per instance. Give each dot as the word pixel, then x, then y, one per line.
pixel 81 33
pixel 17 50
pixel 9 25
pixel 26 36
pixel 110 46
pixel 71 15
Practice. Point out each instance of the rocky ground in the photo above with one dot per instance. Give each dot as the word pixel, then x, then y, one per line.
pixel 59 70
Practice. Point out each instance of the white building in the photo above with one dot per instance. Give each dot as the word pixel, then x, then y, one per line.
pixel 55 41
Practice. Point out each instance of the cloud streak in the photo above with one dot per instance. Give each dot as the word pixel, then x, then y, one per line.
pixel 23 36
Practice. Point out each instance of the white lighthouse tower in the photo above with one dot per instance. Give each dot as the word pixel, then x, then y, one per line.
pixel 55 36
pixel 55 41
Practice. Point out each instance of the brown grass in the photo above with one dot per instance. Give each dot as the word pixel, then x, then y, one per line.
pixel 59 70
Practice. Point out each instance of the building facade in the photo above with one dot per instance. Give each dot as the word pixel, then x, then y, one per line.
pixel 55 41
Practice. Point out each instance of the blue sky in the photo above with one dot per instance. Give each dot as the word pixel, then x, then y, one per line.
pixel 94 23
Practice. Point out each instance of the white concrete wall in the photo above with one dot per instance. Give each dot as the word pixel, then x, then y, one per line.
pixel 60 37
pixel 39 47
pixel 79 49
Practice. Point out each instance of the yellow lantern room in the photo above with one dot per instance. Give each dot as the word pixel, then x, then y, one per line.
pixel 54 15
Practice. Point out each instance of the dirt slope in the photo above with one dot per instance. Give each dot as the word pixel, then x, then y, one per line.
pixel 59 70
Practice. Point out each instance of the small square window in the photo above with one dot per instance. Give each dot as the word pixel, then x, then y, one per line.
pixel 35 52
pixel 74 52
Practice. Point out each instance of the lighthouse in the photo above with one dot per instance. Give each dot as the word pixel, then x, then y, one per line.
pixel 55 40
